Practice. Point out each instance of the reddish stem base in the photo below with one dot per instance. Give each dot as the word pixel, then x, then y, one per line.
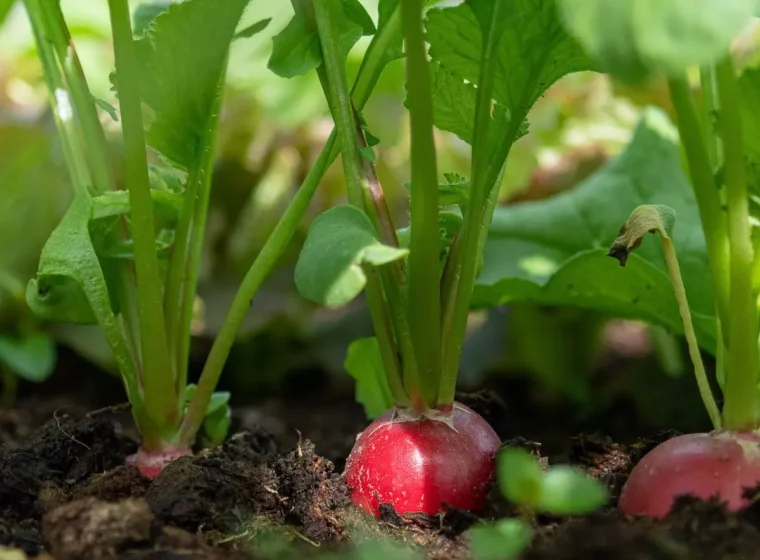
pixel 423 464
pixel 720 464
pixel 151 463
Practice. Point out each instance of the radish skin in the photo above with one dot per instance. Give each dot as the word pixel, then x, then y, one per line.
pixel 151 463
pixel 719 464
pixel 423 465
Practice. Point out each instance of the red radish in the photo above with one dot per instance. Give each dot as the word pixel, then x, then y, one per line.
pixel 419 465
pixel 721 464
pixel 151 463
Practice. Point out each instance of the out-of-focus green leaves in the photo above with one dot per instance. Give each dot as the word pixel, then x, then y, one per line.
pixel 365 365
pixel 632 38
pixel 561 490
pixel 32 357
pixel 340 241
pixel 552 252
pixel 5 8
pixel 33 198
pixel 568 491
pixel 296 49
pixel 519 476
pixel 183 56
pixel 167 204
pixel 503 540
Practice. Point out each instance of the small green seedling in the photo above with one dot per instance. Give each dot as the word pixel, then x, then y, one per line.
pixel 560 491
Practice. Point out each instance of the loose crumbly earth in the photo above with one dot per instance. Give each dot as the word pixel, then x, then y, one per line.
pixel 65 492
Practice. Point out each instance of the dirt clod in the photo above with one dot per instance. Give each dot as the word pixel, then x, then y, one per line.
pixel 94 529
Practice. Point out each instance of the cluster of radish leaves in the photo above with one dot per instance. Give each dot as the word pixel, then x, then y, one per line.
pixel 716 206
pixel 356 247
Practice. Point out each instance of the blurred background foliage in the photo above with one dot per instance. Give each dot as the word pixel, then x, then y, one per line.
pixel 271 131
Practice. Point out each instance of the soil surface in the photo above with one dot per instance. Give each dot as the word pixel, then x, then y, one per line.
pixel 269 493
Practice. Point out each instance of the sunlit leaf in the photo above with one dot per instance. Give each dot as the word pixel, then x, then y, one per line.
pixel 340 242
pixel 552 252
pixel 182 56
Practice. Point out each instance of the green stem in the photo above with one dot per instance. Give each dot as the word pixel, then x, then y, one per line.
pixel 161 400
pixel 198 236
pixel 333 78
pixel 740 408
pixel 424 288
pixel 671 261
pixel 708 198
pixel 709 112
pixel 262 266
pixel 94 137
pixel 176 278
pixel 275 245
pixel 60 98
pixel 466 252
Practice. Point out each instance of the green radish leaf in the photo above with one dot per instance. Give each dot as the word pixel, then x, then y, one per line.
pixel 534 52
pixel 339 243
pixel 5 8
pixel 69 277
pixel 454 103
pixel 145 14
pixel 253 29
pixel 632 38
pixel 552 252
pixel 365 365
pixel 183 56
pixel 503 540
pixel 296 49
pixel 217 418
pixel 567 491
pixel 167 204
pixel 125 249
pixel 31 357
pixel 70 283
pixel 455 191
pixel 519 477
pixel 108 108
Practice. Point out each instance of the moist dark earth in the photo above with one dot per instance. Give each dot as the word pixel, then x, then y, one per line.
pixel 275 490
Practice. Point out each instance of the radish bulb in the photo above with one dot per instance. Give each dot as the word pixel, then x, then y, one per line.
pixel 423 465
pixel 720 464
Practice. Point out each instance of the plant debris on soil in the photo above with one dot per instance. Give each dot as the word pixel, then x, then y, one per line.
pixel 66 493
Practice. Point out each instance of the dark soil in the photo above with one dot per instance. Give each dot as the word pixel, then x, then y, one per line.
pixel 274 489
